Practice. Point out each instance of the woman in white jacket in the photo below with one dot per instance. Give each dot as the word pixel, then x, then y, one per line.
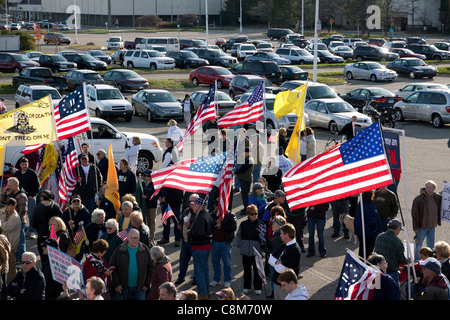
pixel 132 153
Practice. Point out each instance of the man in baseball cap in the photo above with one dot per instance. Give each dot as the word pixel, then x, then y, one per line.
pixel 436 287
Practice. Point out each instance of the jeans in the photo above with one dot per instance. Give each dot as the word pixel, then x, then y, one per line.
pixel 429 234
pixel 31 206
pixel 245 191
pixel 166 227
pixel 201 271
pixel 320 224
pixel 221 250
pixel 22 247
pixel 339 207
pixel 256 172
pixel 185 257
pixel 131 293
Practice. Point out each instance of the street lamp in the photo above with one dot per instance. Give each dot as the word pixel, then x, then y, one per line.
pixel 240 16
pixel 316 20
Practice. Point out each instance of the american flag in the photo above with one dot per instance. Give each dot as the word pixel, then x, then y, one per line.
pixel 205 112
pixel 344 170
pixel 226 183
pixel 79 237
pixel 190 175
pixel 67 175
pixel 357 280
pixel 250 111
pixel 71 114
pixel 166 215
pixel 40 160
pixel 123 235
pixel 32 148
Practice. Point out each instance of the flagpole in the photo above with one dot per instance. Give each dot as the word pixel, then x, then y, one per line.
pixel 264 104
pixel 363 226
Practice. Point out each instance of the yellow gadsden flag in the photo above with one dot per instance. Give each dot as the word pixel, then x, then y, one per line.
pixel 49 162
pixel 112 183
pixel 293 148
pixel 28 125
pixel 287 101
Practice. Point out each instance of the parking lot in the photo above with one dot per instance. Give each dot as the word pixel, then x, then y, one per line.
pixel 424 156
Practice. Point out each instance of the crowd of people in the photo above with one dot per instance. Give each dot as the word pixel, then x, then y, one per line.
pixel 269 239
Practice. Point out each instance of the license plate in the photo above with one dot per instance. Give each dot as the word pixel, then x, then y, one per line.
pixel 391 101
pixel 141 87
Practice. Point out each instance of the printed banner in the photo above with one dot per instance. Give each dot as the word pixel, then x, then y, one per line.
pixel 67 270
pixel 445 206
pixel 28 125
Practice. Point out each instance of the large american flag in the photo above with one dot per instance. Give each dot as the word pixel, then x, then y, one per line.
pixel 357 281
pixel 344 170
pixel 71 114
pixel 226 183
pixel 250 111
pixel 67 176
pixel 190 175
pixel 205 112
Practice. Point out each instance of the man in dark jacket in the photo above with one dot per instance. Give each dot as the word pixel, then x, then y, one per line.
pixel 221 244
pixel 436 287
pixel 29 284
pixel 200 235
pixel 89 183
pixel 244 173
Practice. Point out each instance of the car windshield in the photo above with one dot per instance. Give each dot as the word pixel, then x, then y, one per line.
pixel 269 104
pixel 88 58
pixel 374 66
pixel 222 71
pixel 91 76
pixel 200 42
pixel 320 92
pixel 344 48
pixel 39 94
pixel 161 97
pixel 248 47
pixel 264 45
pixel 381 92
pixel 416 63
pixel 293 69
pixel 109 94
pixel 337 107
pixel 97 53
pixel 326 53
pixel 130 75
pixel 114 40
pixel 21 58
pixel 154 54
pixel 219 53
pixel 189 54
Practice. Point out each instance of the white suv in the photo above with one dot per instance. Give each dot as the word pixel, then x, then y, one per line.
pixel 147 59
pixel 26 94
pixel 296 56
pixel 115 43
pixel 102 134
pixel 107 101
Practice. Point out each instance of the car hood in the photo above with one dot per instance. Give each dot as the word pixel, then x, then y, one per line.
pixel 145 138
pixel 423 68
pixel 113 102
pixel 166 104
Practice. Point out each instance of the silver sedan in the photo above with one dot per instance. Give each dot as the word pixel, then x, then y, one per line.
pixel 372 71
pixel 332 114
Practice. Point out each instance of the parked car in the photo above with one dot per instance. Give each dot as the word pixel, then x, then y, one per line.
pixel 34 55
pixel 209 74
pixel 244 50
pixel 243 83
pixel 224 101
pixel 373 53
pixel 372 71
pixel 360 97
pixel 314 90
pixel 293 73
pixel 39 75
pixel 15 26
pixel 413 67
pixel 442 45
pixel 357 44
pixel 272 123
pixel 425 105
pixel 124 79
pixel 292 36
pixel 335 44
pixel 264 47
pixel 115 57
pixel 215 57
pixel 332 113
pixel 77 77
pixel 296 56
pixel 15 62
pixel 277 33
pixel 406 53
pixel 190 43
pixel 156 104
pixel 344 52
pixel 415 40
pixel 56 63
pixel 430 51
pixel 115 43
pixel 328 57
pixel 26 94
pixel 56 38
pixel 394 44
pixel 267 69
pixel 31 26
pixel 271 56
pixel 320 46
pixel 412 87
pixel 152 59
pixel 100 55
pixel 350 41
pixel 84 61
pixel 106 101
pixel 376 42
pixel 230 42
pixel 186 59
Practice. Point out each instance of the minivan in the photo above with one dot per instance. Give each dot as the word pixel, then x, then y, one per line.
pixel 277 33
pixel 169 43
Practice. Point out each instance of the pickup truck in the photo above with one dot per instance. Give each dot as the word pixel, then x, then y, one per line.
pixel 39 75
pixel 132 44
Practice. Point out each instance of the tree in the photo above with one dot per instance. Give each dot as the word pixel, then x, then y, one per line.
pixel 356 12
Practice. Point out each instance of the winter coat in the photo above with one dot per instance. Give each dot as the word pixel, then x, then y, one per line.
pixel 372 221
pixel 162 273
pixel 249 237
pixel 419 209
pixel 33 282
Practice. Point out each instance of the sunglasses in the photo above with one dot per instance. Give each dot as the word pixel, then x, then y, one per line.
pixel 75 201
pixel 27 262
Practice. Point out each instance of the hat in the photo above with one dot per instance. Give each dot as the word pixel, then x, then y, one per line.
pixel 258 186
pixel 83 155
pixel 148 171
pixel 432 264
pixel 51 242
pixel 395 223
pixel 172 122
pixel 200 201
pixel 279 193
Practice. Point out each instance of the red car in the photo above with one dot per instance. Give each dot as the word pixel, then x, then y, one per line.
pixel 209 74
pixel 406 53
pixel 376 42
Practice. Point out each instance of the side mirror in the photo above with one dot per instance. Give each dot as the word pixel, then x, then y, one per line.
pixel 118 136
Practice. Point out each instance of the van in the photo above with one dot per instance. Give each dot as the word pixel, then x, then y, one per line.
pixel 277 33
pixel 263 68
pixel 170 44
pixel 296 55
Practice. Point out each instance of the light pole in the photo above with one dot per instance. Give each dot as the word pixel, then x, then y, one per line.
pixel 316 20
pixel 75 17
pixel 206 20
pixel 240 16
